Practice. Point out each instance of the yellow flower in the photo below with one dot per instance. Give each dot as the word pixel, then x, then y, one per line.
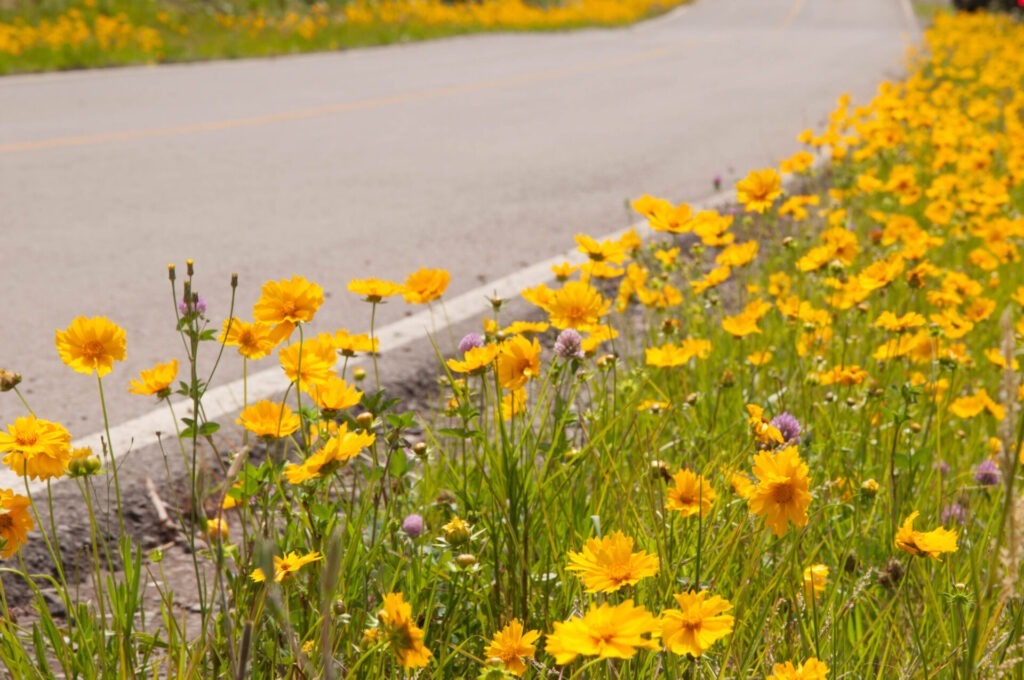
pixel 375 290
pixel 843 375
pixel 970 406
pixel 607 564
pixel 341 447
pixel 690 494
pixel 606 631
pixel 334 394
pixel 745 323
pixel 15 522
pixel 891 322
pixel 669 355
pixel 758 190
pixel 815 580
pixel 94 344
pixel 253 340
pixel 287 302
pixel 518 361
pixel 782 491
pixel 457 531
pixel 512 404
pixel 216 529
pixel 605 251
pixel 511 645
pixel 349 345
pixel 798 162
pixel 929 543
pixel 738 254
pixel 425 285
pixel 313 365
pixel 697 624
pixel 285 566
pixel 35 447
pixel 762 429
pixel 812 669
pixel 476 359
pixel 576 305
pixel 759 358
pixel 156 380
pixel 269 419
pixel 715 277
pixel 404 636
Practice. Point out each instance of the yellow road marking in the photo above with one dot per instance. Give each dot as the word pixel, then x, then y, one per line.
pixel 360 105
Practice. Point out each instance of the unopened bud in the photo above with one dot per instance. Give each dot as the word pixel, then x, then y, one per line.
pixel 728 378
pixel 358 374
pixel 170 272
pixel 465 560
pixel 364 421
pixel 234 280
pixel 869 488
pixel 419 449
pixel 8 380
pixel 189 268
pixel 606 362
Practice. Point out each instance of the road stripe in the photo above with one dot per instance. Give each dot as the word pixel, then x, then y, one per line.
pixel 347 107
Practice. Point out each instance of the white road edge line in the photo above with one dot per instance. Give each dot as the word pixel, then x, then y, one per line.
pixel 141 432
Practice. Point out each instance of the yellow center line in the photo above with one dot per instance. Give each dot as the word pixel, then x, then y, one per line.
pixel 360 105
pixel 794 12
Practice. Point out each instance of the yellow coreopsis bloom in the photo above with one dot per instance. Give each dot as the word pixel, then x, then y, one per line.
pixel 253 340
pixel 269 419
pixel 15 522
pixel 669 355
pixel 607 564
pixel 405 637
pixel 782 493
pixel 334 394
pixel 518 361
pixel 576 305
pixel 375 290
pixel 738 254
pixel 606 631
pixel 697 624
pixel 476 359
pixel 156 380
pixel 970 406
pixel 94 344
pixel 926 543
pixel 308 363
pixel 512 646
pixel 287 302
pixel 350 344
pixel 890 322
pixel 285 567
pixel 690 494
pixel 605 251
pixel 37 448
pixel 758 190
pixel 815 580
pixel 812 669
pixel 343 446
pixel 425 285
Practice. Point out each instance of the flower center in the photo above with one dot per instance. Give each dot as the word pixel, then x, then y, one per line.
pixel 92 349
pixel 782 492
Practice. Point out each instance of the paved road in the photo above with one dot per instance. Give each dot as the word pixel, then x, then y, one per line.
pixel 478 154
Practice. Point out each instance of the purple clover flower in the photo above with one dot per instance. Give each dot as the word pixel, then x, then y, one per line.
pixel 569 344
pixel 954 513
pixel 470 341
pixel 987 473
pixel 413 525
pixel 788 426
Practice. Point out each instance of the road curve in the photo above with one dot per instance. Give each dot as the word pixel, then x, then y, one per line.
pixel 479 154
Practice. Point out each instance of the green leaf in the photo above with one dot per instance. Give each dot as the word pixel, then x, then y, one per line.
pixel 208 428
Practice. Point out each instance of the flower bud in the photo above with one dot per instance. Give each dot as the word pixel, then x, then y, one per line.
pixel 465 560
pixel 9 380
pixel 358 374
pixel 869 488
pixel 457 531
pixel 216 530
pixel 364 421
pixel 419 449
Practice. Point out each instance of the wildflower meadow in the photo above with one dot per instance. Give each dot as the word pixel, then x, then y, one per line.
pixel 69 34
pixel 774 439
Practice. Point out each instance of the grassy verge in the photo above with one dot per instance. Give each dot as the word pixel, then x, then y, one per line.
pixel 48 36
pixel 777 442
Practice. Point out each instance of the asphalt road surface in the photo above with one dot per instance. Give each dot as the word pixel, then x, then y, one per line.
pixel 479 154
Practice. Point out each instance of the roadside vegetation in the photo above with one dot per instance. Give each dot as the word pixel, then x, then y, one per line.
pixel 47 35
pixel 780 440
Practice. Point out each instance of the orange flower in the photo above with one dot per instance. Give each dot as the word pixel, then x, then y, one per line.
pixel 758 190
pixel 607 564
pixel 425 285
pixel 94 344
pixel 156 380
